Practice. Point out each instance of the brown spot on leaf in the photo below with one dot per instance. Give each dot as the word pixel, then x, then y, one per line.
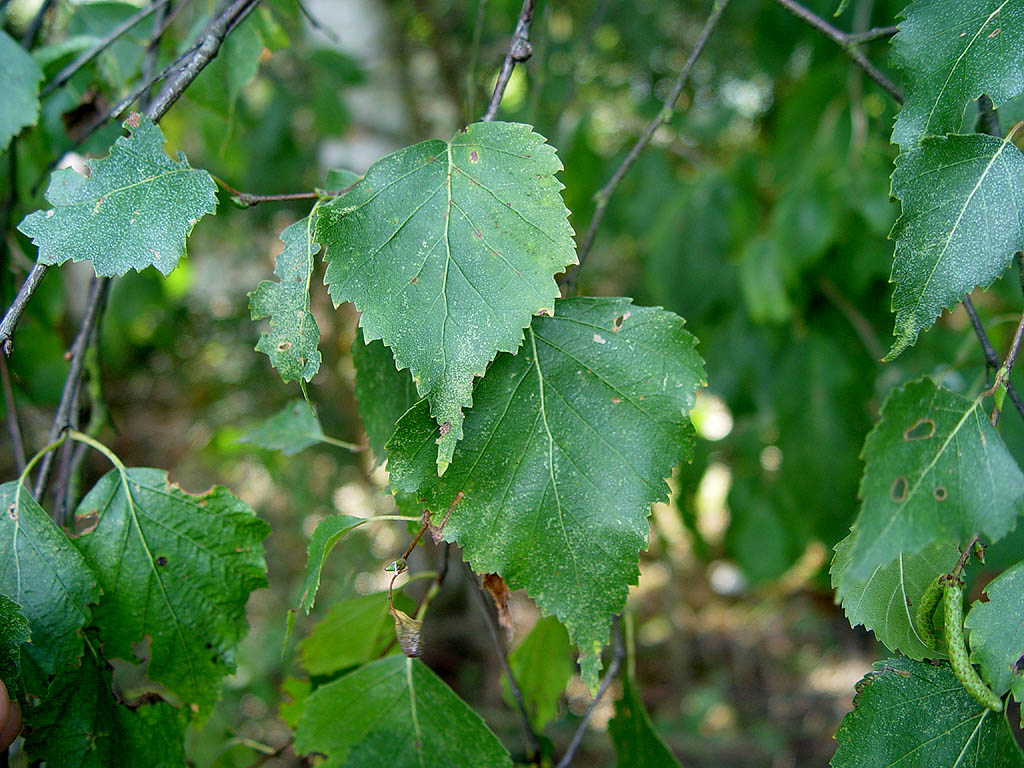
pixel 12 511
pixel 616 401
pixel 474 156
pixel 498 590
pixel 161 561
pixel 446 428
pixel 995 32
pixel 898 492
pixel 133 120
pixel 414 280
pixel 284 346
pixel 940 493
pixel 922 429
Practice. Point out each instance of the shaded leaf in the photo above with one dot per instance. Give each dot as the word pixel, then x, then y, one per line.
pixel 567 445
pixel 133 210
pixel 886 601
pixel 80 724
pixel 962 221
pixel 383 392
pixel 14 633
pixel 294 334
pixel 395 713
pixel 935 471
pixel 951 52
pixel 237 62
pixel 354 632
pixel 329 532
pixel 53 591
pixel 19 97
pixel 291 710
pixel 292 429
pixel 448 248
pixel 636 742
pixel 542 667
pixel 997 633
pixel 177 568
pixel 908 713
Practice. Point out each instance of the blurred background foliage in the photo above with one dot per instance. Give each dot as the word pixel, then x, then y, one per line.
pixel 759 213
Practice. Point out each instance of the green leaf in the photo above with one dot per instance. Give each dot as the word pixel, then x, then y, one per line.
pixel 238 61
pixel 567 445
pixel 383 392
pixel 542 668
pixel 636 742
pixel 80 724
pixel 908 713
pixel 294 334
pixel 177 568
pixel 297 691
pixel 53 589
pixel 935 471
pixel 886 601
pixel 962 221
pixel 19 97
pixel 329 532
pixel 133 210
pixel 14 632
pixel 395 713
pixel 997 633
pixel 951 52
pixel 354 632
pixel 119 62
pixel 340 178
pixel 292 429
pixel 448 248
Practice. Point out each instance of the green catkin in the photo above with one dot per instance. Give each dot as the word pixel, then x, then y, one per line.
pixel 953 604
pixel 925 610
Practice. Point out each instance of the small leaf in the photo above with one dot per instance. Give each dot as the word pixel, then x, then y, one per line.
pixel 382 392
pixel 237 62
pixel 292 429
pixel 636 742
pixel 80 724
pixel 294 334
pixel 395 713
pixel 907 713
pixel 177 568
pixel 935 471
pixel 951 52
pixel 542 667
pixel 962 221
pixel 886 601
pixel 14 632
pixel 339 179
pixel 997 633
pixel 297 691
pixel 133 210
pixel 567 445
pixel 53 591
pixel 448 248
pixel 353 633
pixel 841 8
pixel 329 532
pixel 19 97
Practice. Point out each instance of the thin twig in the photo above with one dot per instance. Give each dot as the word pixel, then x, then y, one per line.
pixel 13 428
pixel 318 25
pixel 164 16
pixel 1003 375
pixel 86 56
pixel 991 358
pixel 32 30
pixel 519 50
pixel 602 197
pixel 875 33
pixel 845 41
pixel 854 316
pixel 532 741
pixel 965 555
pixel 98 289
pixel 613 670
pixel 17 308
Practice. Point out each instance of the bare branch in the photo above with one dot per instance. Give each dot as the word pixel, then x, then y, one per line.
pixel 613 670
pixel 519 50
pixel 845 41
pixel 991 358
pixel 532 741
pixel 17 308
pixel 318 25
pixel 664 114
pixel 32 30
pixel 86 56
pixel 875 33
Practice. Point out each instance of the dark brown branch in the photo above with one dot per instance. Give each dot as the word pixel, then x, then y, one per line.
pixel 613 670
pixel 519 50
pixel 664 114
pixel 13 428
pixel 991 357
pixel 98 289
pixel 1003 375
pixel 532 741
pixel 845 41
pixel 318 25
pixel 17 308
pixel 86 56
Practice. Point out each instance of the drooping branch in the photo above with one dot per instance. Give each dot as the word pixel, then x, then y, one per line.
pixel 532 741
pixel 519 50
pixel 848 42
pixel 86 56
pixel 606 681
pixel 602 197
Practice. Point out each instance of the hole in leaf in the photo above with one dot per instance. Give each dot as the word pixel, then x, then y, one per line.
pixel 284 346
pixel 921 430
pixel 940 493
pixel 898 492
